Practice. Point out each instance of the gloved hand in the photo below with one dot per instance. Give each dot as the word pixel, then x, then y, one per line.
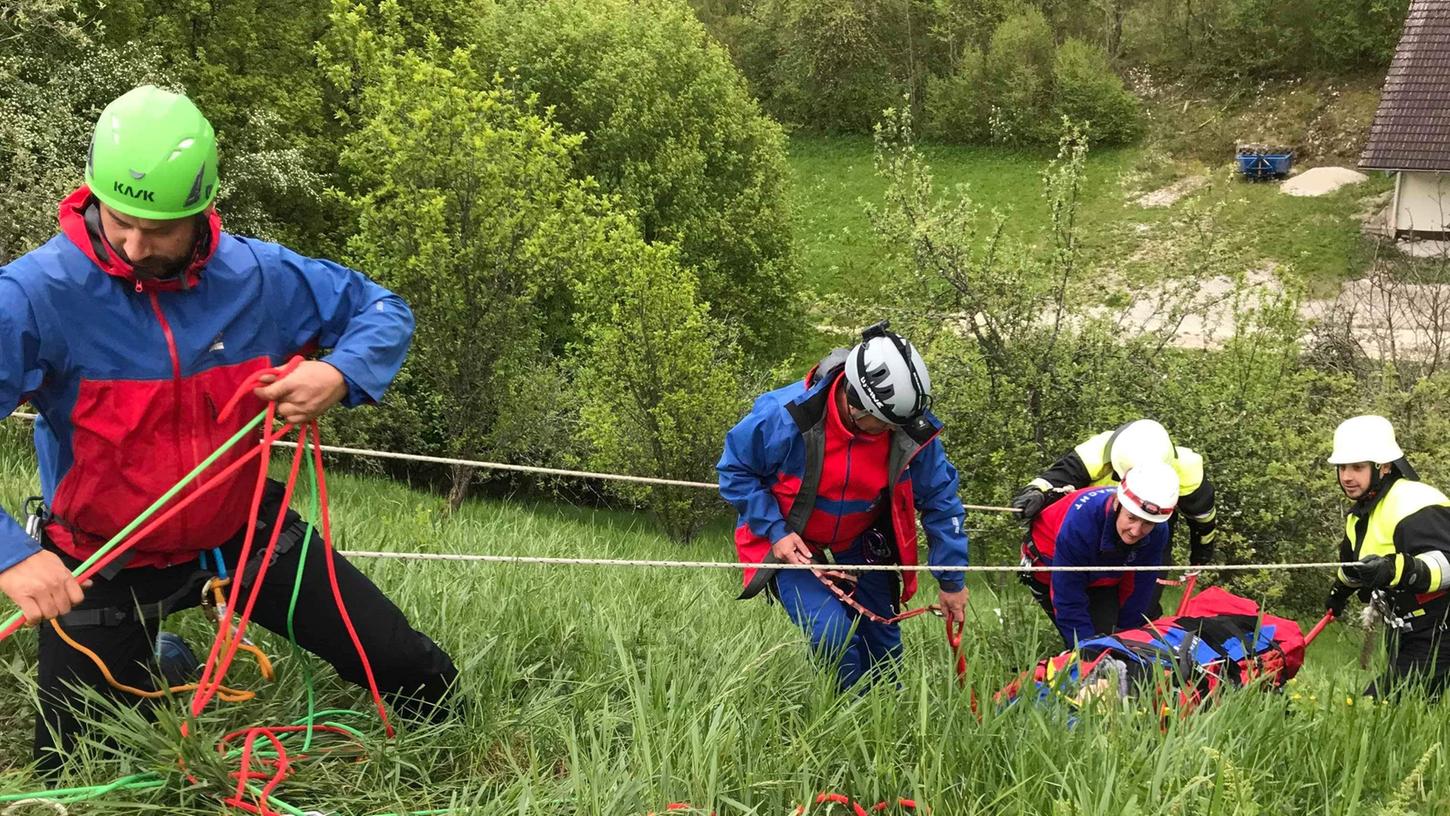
pixel 1338 597
pixel 1030 502
pixel 1200 547
pixel 1375 571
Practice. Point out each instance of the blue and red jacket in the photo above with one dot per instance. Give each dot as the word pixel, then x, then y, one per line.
pixel 791 466
pixel 128 376
pixel 1081 530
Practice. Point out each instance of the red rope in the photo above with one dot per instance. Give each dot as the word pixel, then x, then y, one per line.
pixel 1318 627
pixel 954 633
pixel 281 767
pixel 171 513
pixel 219 659
pixel 217 663
pixel 336 590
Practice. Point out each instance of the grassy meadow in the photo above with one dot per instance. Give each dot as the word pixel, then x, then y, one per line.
pixel 612 691
pixel 1315 240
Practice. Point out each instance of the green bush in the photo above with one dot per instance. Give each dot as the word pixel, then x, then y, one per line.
pixel 56 74
pixel 467 208
pixel 249 65
pixel 1085 90
pixel 1353 35
pixel 670 128
pixel 833 65
pixel 1020 90
pixel 959 107
pixel 1235 40
pixel 659 382
pixel 1018 72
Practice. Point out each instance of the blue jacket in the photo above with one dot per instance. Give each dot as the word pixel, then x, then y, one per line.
pixel 128 377
pixel 774 456
pixel 1089 537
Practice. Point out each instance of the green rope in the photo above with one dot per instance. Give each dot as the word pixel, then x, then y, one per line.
pixel 84 792
pixel 312 517
pixel 151 780
pixel 155 506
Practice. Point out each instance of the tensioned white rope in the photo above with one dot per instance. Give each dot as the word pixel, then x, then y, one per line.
pixel 622 562
pixel 582 474
pixel 642 562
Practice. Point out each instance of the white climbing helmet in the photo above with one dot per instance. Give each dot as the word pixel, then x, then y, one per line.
pixel 1150 491
pixel 1138 443
pixel 1366 438
pixel 887 376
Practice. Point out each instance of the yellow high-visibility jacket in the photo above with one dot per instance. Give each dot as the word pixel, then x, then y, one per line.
pixel 1411 519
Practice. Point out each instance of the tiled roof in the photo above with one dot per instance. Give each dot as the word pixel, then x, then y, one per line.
pixel 1411 129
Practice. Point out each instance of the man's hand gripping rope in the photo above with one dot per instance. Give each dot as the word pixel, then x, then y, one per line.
pixel 955 619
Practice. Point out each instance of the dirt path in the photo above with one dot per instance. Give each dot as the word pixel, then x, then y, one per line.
pixel 1386 318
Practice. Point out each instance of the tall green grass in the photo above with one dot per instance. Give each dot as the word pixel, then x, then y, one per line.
pixel 610 691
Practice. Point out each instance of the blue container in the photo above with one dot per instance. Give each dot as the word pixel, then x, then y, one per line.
pixel 1260 165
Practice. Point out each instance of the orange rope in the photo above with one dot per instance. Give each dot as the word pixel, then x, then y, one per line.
pixel 218 607
pixel 228 694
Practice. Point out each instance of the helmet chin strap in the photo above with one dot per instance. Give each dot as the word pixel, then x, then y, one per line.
pixel 1376 481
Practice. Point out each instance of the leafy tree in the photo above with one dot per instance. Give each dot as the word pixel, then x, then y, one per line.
pixel 1018 72
pixel 470 212
pixel 249 65
pixel 962 27
pixel 671 130
pixel 836 64
pixel 659 383
pixel 1085 90
pixel 56 74
pixel 959 107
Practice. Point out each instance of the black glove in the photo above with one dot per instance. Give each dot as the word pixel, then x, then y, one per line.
pixel 1374 571
pixel 1200 547
pixel 1030 502
pixel 1338 597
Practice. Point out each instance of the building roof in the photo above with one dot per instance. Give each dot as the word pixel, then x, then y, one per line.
pixel 1411 129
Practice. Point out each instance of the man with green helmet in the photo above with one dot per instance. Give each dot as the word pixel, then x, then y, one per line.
pixel 153 156
pixel 126 333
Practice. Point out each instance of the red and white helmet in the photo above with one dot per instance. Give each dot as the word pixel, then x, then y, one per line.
pixel 1150 491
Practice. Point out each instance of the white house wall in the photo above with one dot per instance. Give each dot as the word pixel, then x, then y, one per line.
pixel 1422 203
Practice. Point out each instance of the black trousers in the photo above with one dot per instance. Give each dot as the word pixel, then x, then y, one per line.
pixel 119 620
pixel 1103 605
pixel 1415 657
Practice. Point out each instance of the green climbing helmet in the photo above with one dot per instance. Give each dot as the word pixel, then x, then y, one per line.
pixel 153 155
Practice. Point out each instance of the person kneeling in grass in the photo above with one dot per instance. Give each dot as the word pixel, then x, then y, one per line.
pixel 1126 525
pixel 840 464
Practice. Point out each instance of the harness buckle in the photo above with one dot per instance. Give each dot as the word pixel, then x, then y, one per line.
pixel 877 549
pixel 214 600
pixel 35 517
pixel 1380 601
